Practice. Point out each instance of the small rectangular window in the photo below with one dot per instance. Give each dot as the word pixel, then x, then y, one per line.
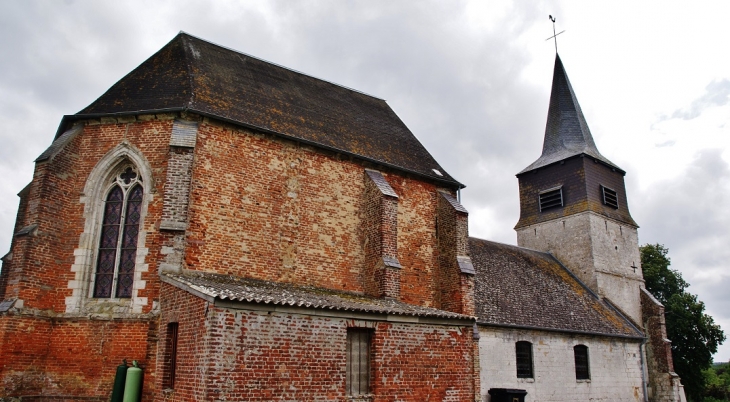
pixel 551 198
pixel 609 197
pixel 358 361
pixel 582 370
pixel 168 379
pixel 524 359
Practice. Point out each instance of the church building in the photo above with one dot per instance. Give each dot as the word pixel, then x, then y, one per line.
pixel 565 315
pixel 246 232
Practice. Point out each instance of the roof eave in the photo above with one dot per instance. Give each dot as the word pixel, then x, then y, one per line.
pixel 242 304
pixel 560 330
pixel 535 166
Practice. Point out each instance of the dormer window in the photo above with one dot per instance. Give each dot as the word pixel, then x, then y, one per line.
pixel 609 197
pixel 551 198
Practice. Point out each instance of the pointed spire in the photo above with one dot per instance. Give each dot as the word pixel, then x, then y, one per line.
pixel 566 132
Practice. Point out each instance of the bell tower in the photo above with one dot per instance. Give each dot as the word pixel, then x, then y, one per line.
pixel 573 204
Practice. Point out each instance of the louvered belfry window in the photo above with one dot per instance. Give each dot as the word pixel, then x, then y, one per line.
pixel 582 370
pixel 119 231
pixel 609 197
pixel 358 361
pixel 524 359
pixel 551 198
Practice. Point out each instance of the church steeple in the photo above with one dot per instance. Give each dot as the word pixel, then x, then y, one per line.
pixel 573 205
pixel 566 133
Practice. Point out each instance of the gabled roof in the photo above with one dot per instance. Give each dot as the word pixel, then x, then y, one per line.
pixel 566 131
pixel 237 289
pixel 192 74
pixel 521 288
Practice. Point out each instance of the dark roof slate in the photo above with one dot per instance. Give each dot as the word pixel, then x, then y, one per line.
pixel 226 287
pixel 566 131
pixel 518 287
pixel 192 74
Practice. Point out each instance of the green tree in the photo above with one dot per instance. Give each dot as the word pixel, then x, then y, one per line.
pixel 717 379
pixel 694 334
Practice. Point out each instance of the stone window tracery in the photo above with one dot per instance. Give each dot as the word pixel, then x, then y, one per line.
pixel 117 250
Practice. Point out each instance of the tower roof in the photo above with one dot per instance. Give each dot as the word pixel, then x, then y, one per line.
pixel 191 74
pixel 566 131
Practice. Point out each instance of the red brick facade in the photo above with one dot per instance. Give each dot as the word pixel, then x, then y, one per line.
pixel 247 204
pixel 239 354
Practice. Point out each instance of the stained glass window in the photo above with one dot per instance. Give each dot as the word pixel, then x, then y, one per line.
pixel 118 240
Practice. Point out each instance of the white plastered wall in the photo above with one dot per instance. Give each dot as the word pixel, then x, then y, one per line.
pixel 615 366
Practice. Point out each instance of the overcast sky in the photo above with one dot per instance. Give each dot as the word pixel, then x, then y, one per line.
pixel 471 80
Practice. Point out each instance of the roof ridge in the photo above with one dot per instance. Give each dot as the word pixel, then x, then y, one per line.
pixel 189 67
pixel 278 65
pixel 512 246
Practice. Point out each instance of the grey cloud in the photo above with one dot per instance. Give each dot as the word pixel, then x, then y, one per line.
pixel 689 215
pixel 717 93
pixel 453 86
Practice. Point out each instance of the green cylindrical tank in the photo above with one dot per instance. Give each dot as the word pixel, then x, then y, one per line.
pixel 119 380
pixel 133 384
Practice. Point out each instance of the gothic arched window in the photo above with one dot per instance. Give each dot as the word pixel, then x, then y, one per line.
pixel 117 251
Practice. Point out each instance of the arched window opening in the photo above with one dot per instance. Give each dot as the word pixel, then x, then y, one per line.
pixel 117 251
pixel 524 359
pixel 582 367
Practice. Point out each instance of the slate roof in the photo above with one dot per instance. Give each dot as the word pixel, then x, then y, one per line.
pixel 226 287
pixel 192 74
pixel 566 131
pixel 518 287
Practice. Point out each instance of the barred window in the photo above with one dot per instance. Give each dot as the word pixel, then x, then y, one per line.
pixel 117 251
pixel 582 368
pixel 524 359
pixel 358 361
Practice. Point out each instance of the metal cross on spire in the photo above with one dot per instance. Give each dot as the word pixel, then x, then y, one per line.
pixel 554 34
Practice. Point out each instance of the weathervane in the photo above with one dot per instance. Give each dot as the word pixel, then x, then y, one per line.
pixel 554 34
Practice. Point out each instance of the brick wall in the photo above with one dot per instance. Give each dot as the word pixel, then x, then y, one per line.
pixel 615 366
pixel 258 207
pixel 45 350
pixel 381 271
pixel 456 272
pixel 45 258
pixel 664 384
pixel 288 212
pixel 70 357
pixel 266 356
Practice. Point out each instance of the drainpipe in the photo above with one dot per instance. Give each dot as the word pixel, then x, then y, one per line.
pixel 643 369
